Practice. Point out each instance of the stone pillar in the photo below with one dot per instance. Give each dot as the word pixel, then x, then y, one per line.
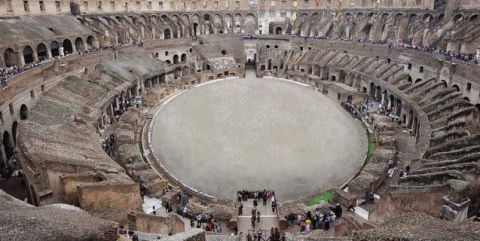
pixel 117 103
pixel 111 112
pixel 3 156
pixel 49 52
pixel 414 126
pixel 21 59
pixel 35 56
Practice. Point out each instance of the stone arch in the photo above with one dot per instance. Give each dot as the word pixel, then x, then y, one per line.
pixel 238 22
pixel 466 99
pixel 445 84
pixel 167 34
pixel 175 59
pixel 144 19
pixel 217 19
pixel 67 46
pixel 164 17
pixel 228 20
pixel 458 17
pixel 185 70
pixel 10 57
pixel 79 45
pixel 183 58
pixel 91 42
pixel 206 17
pixel 42 51
pixel 378 93
pixel 278 31
pixel 23 112
pixel 372 89
pixel 28 55
pixel 119 19
pixel 440 17
pixel 456 87
pixel 8 144
pixel 412 18
pixel 55 48
pixel 473 17
pixel 427 18
pixel 250 25
pixel 133 19
pixel 418 80
pixel 154 18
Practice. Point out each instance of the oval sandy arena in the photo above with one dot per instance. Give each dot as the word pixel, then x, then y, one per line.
pixel 253 133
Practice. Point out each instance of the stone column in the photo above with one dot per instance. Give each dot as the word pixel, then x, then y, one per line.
pixel 3 156
pixel 21 59
pixel 35 56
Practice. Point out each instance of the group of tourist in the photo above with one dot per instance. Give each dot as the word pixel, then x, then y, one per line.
pixel 9 72
pixel 259 235
pixel 449 55
pixel 360 111
pixel 128 233
pixel 320 219
pixel 108 144
pixel 206 222
pixel 264 196
pixel 6 73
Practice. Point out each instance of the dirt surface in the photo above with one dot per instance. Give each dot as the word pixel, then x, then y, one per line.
pixel 251 133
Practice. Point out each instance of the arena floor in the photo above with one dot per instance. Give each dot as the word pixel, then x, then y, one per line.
pixel 253 133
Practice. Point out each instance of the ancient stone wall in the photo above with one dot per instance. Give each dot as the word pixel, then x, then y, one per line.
pixel 172 224
pixel 118 199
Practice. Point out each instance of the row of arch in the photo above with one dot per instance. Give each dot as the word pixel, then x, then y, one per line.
pixel 43 51
pixel 9 138
pixel 426 16
pixel 413 28
pixel 125 28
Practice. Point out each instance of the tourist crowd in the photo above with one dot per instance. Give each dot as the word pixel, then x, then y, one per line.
pixel 9 72
pixel 449 55
pixel 108 144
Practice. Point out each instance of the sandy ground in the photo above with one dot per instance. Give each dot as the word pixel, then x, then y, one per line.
pixel 252 133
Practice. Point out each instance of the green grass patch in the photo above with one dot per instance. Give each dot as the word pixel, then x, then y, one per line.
pixel 371 146
pixel 326 196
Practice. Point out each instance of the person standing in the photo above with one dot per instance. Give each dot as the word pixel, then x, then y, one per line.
pixel 154 212
pixel 240 209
